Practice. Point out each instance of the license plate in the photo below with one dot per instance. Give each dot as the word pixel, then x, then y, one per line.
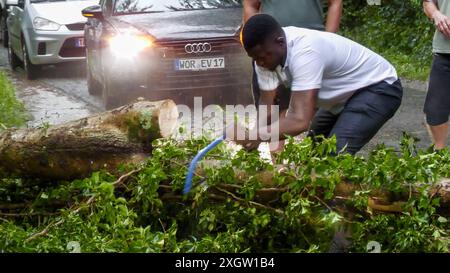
pixel 79 42
pixel 199 64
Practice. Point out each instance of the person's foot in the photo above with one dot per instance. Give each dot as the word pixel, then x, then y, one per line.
pixel 340 243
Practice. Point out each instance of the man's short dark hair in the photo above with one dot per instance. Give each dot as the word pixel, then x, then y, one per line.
pixel 258 29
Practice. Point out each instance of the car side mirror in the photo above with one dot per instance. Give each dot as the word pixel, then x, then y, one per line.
pixel 93 12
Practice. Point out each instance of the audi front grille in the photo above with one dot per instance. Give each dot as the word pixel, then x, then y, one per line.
pixel 197 48
pixel 237 69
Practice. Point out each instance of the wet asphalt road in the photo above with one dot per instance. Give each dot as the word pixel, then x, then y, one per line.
pixel 60 95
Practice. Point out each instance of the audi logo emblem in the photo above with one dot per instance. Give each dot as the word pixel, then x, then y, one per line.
pixel 198 48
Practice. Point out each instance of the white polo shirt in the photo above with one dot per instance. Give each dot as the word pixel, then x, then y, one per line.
pixel 335 65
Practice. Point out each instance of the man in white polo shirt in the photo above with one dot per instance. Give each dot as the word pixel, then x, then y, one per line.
pixel 338 86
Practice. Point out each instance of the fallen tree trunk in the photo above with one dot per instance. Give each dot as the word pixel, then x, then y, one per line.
pixel 124 135
pixel 76 149
pixel 379 199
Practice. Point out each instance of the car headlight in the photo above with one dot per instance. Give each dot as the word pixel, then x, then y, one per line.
pixel 44 24
pixel 128 45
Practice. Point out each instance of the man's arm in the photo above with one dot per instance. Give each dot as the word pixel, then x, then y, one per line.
pixel 267 99
pixel 441 21
pixel 298 118
pixel 334 15
pixel 251 7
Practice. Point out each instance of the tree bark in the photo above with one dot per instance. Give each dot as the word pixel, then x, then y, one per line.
pixel 379 199
pixel 123 136
pixel 76 149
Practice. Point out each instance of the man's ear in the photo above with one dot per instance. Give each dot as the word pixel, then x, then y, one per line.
pixel 280 40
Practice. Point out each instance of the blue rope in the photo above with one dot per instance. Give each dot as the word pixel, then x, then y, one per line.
pixel 198 157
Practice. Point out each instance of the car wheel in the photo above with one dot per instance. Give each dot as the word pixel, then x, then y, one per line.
pixel 5 38
pixel 31 69
pixel 94 87
pixel 109 95
pixel 4 35
pixel 14 61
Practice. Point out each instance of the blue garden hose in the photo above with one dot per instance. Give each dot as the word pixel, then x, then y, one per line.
pixel 197 158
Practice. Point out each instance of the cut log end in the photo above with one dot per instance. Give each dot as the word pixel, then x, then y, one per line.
pixel 167 118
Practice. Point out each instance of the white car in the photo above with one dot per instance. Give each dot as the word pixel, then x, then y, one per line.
pixel 45 32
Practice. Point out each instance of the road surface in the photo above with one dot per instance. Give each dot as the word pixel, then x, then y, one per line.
pixel 60 95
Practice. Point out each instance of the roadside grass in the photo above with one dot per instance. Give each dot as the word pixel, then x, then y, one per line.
pixel 12 111
pixel 408 66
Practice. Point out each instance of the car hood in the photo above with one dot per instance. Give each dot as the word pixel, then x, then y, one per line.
pixel 193 24
pixel 63 13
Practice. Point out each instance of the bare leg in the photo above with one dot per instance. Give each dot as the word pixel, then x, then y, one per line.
pixel 439 135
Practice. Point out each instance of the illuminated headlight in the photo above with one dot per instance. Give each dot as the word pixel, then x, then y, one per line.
pixel 129 46
pixel 44 24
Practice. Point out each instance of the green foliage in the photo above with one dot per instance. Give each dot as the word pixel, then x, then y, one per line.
pixel 12 111
pixel 399 30
pixel 146 212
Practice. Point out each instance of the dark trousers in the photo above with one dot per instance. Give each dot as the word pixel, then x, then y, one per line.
pixel 363 116
pixel 437 103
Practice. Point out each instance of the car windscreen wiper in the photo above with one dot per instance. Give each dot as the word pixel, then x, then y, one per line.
pixel 139 12
pixel 42 1
pixel 38 1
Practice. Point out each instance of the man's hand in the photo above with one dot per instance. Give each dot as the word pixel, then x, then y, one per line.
pixel 442 23
pixel 249 145
pixel 238 133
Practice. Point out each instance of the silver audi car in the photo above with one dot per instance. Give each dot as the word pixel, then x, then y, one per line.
pixel 45 32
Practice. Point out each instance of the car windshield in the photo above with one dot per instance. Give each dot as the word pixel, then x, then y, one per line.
pixel 152 6
pixel 46 1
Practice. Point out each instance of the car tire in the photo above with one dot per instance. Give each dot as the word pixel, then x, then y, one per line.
pixel 110 100
pixel 31 69
pixel 94 87
pixel 5 38
pixel 4 35
pixel 14 61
